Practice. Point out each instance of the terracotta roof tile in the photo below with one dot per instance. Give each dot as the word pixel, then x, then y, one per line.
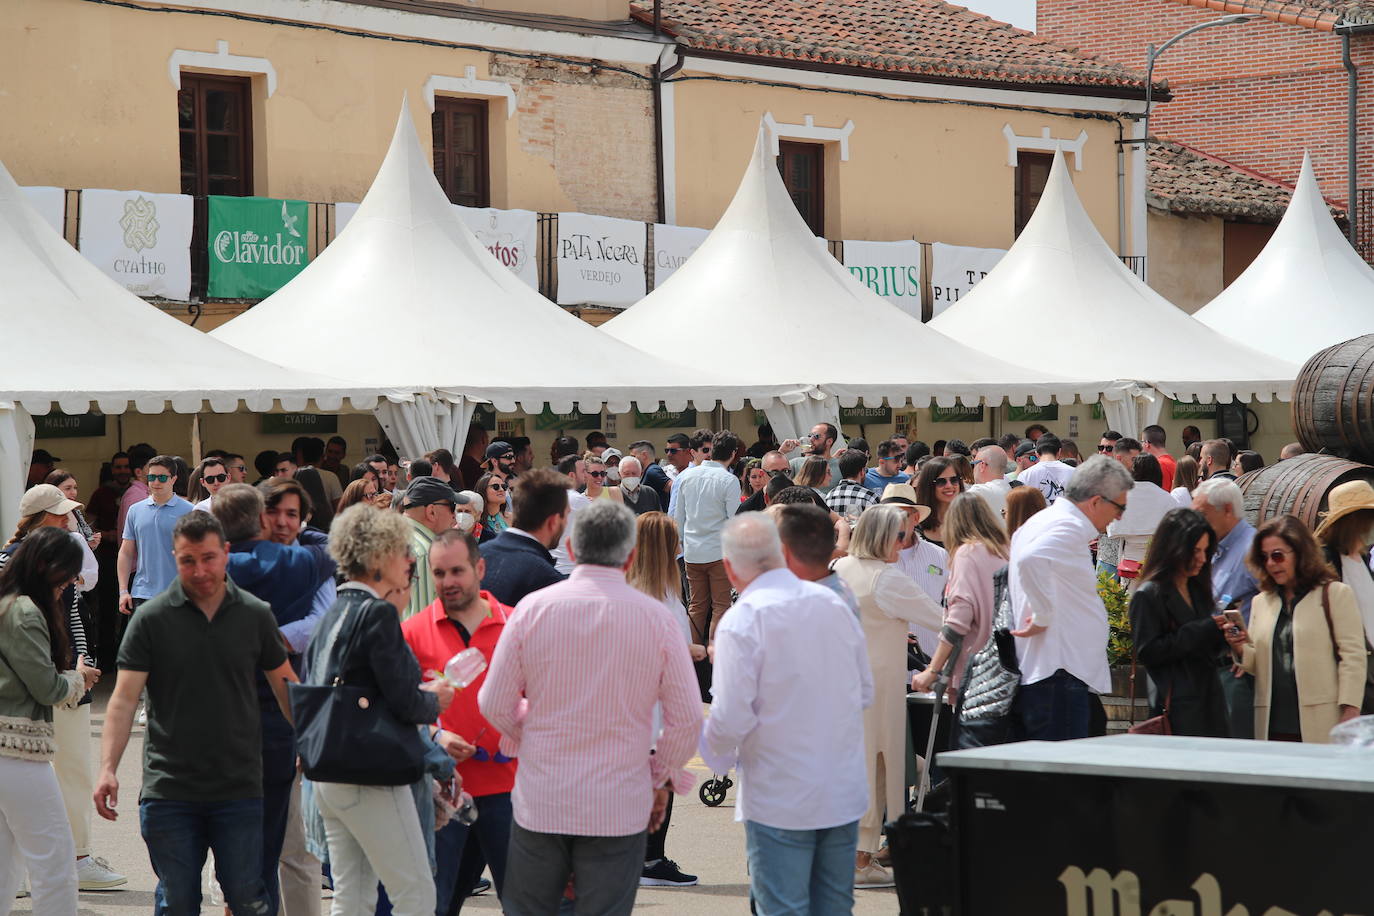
pixel 1186 181
pixel 1323 15
pixel 923 38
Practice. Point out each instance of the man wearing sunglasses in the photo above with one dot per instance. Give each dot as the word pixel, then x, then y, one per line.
pixel 145 566
pixel 822 437
pixel 1062 636
pixel 430 505
pixel 213 476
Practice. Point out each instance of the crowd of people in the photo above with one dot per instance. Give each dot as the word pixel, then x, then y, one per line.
pixel 290 646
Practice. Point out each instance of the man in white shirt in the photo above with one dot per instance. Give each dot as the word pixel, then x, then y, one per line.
pixel 990 480
pixel 1062 643
pixel 214 476
pixel 1049 475
pixel 791 682
pixel 571 467
pixel 705 497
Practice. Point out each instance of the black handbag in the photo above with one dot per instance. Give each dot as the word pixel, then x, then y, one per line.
pixel 349 734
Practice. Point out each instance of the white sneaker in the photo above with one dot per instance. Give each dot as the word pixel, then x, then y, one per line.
pixel 873 875
pixel 142 717
pixel 94 874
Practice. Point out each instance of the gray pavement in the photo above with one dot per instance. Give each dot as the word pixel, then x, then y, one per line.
pixel 704 841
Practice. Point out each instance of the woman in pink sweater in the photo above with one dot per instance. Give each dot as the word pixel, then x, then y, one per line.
pixel 977 550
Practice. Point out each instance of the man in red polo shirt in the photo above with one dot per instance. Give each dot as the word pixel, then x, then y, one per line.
pixel 461 617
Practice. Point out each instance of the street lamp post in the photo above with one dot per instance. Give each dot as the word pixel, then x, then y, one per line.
pixel 1153 54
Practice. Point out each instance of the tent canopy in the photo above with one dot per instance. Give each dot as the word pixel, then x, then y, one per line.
pixel 1062 298
pixel 809 320
pixel 406 292
pixel 74 336
pixel 1307 290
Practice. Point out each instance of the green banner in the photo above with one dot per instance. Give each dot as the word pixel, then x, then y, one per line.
pixel 666 419
pixel 576 420
pixel 69 426
pixel 858 414
pixel 299 424
pixel 1033 412
pixel 256 245
pixel 959 414
pixel 484 415
pixel 1183 410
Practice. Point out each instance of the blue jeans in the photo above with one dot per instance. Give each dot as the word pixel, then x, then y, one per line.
pixel 801 872
pixel 1057 708
pixel 278 773
pixel 178 834
pixel 460 851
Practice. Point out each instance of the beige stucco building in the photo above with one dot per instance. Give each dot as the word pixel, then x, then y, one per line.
pixel 905 121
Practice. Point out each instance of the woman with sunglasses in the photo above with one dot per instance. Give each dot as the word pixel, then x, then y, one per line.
pixel 373 827
pixel 889 601
pixel 1305 644
pixel 493 489
pixel 595 467
pixel 936 486
pixel 1176 638
pixel 39 672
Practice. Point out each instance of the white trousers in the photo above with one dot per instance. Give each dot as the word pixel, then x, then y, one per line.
pixel 34 834
pixel 73 767
pixel 297 871
pixel 374 833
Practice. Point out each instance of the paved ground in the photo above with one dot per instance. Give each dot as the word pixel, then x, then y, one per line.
pixel 704 841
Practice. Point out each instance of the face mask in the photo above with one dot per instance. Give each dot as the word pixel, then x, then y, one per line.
pixel 630 483
pixel 612 475
pixel 464 522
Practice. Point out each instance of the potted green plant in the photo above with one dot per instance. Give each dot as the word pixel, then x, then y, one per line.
pixel 1117 602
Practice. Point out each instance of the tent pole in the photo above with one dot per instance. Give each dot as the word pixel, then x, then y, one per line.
pixel 195 440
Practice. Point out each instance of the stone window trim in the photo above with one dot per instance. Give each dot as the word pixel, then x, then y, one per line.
pixel 1045 144
pixel 468 85
pixel 808 132
pixel 221 61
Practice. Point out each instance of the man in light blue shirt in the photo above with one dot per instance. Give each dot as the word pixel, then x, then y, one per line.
pixel 705 497
pixel 145 566
pixel 890 455
pixel 1222 504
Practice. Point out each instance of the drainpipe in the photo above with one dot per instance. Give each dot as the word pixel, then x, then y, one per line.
pixel 1351 97
pixel 662 75
pixel 1120 190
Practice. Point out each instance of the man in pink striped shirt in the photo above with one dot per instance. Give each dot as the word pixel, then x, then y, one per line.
pixel 572 689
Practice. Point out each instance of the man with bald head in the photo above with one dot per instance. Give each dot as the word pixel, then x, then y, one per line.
pixel 774 463
pixel 990 479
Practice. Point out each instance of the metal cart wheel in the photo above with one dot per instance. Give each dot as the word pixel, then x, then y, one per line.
pixel 712 791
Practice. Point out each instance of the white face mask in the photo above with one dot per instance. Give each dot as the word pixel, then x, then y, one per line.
pixel 463 522
pixel 630 483
pixel 613 474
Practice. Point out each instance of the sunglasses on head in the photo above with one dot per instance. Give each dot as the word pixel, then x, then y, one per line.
pixel 159 478
pixel 215 478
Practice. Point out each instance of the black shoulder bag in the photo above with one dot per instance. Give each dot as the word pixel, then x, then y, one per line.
pixel 349 734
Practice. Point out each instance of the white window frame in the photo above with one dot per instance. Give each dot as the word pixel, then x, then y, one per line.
pixel 1045 144
pixel 469 85
pixel 221 61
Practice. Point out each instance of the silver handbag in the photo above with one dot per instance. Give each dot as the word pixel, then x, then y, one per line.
pixel 993 673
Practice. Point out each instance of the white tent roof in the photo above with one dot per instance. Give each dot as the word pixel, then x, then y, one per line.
pixel 1060 297
pixel 809 319
pixel 406 267
pixel 73 335
pixel 1306 291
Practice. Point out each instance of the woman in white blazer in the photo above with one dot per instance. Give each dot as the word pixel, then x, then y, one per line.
pixel 1306 639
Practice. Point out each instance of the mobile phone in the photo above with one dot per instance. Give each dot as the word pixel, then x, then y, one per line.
pixel 1234 618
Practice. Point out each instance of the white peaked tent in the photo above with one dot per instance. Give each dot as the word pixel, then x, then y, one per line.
pixel 1306 291
pixel 811 321
pixel 75 338
pixel 408 265
pixel 1060 297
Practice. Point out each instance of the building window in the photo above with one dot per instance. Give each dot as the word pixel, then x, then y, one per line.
pixel 1032 171
pixel 215 119
pixel 460 151
pixel 803 173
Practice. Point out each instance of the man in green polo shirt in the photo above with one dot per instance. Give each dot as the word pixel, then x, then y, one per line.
pixel 196 648
pixel 429 505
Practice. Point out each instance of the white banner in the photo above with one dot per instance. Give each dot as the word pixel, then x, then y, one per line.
pixel 510 235
pixel 892 270
pixel 142 241
pixel 51 204
pixel 342 214
pixel 955 269
pixel 673 245
pixel 600 260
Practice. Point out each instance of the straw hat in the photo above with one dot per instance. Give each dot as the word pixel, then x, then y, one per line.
pixel 1345 499
pixel 903 496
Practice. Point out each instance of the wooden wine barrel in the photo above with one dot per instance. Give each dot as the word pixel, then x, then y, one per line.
pixel 1297 486
pixel 1333 400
